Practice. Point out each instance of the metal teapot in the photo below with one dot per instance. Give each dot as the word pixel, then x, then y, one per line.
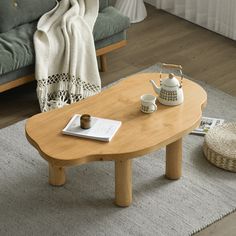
pixel 170 91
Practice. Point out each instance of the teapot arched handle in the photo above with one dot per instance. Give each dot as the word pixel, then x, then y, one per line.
pixel 171 66
pixel 175 67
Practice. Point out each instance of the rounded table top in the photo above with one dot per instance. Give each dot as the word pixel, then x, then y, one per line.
pixel 139 133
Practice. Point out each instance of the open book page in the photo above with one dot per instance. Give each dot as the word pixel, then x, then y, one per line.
pixel 101 129
pixel 206 124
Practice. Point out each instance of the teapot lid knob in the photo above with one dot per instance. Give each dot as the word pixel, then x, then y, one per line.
pixel 171 76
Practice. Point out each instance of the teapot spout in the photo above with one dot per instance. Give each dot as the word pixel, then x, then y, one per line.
pixel 155 87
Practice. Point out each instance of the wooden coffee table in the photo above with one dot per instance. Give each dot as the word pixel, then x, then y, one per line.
pixel 139 134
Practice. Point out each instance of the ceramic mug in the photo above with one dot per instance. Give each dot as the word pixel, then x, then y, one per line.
pixel 148 103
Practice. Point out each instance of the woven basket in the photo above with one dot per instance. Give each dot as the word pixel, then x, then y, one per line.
pixel 220 146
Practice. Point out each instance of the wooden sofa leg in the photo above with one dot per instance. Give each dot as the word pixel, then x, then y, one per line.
pixel 103 63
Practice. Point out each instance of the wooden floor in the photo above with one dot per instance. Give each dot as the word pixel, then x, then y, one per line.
pixel 161 37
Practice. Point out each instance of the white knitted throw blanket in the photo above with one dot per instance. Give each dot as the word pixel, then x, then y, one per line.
pixel 66 65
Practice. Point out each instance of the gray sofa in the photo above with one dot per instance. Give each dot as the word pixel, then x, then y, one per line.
pixel 16 37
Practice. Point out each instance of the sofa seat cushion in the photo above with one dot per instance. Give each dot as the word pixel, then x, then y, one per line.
pixel 13 75
pixel 111 40
pixel 109 22
pixel 18 12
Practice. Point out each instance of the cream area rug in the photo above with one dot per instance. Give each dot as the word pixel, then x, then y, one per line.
pixel 84 206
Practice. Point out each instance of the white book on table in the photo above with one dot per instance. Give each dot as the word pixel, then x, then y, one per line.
pixel 101 129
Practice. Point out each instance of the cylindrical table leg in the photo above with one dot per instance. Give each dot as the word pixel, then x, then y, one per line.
pixel 123 182
pixel 174 160
pixel 103 63
pixel 56 175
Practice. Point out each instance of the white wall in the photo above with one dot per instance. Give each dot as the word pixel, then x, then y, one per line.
pixel 218 16
pixel 155 3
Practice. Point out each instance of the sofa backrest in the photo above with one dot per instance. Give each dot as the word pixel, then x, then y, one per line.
pixel 15 12
pixel 103 4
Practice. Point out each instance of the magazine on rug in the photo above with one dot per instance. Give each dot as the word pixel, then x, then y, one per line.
pixel 101 129
pixel 206 124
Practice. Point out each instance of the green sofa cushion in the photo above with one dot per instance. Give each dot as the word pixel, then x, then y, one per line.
pixel 18 12
pixel 110 21
pixel 103 4
pixel 111 40
pixel 13 75
pixel 16 48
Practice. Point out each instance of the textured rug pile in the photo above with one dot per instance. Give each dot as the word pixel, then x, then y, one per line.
pixel 84 206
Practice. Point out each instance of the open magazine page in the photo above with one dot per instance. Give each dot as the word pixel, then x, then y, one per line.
pixel 206 124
